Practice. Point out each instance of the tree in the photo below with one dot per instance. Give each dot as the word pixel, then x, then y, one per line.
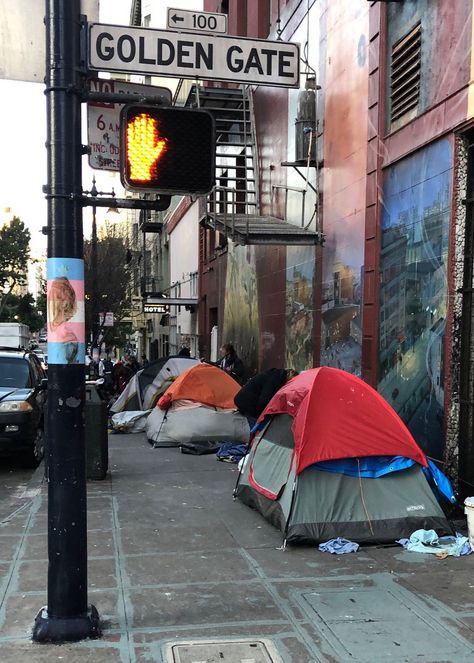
pixel 41 300
pixel 21 308
pixel 14 256
pixel 112 282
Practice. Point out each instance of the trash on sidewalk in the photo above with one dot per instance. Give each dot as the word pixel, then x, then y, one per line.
pixel 469 511
pixel 339 546
pixel 199 448
pixel 231 452
pixel 129 422
pixel 427 541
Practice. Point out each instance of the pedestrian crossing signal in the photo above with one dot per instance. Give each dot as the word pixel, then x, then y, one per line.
pixel 167 150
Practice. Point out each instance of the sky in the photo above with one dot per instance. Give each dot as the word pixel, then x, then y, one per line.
pixel 23 137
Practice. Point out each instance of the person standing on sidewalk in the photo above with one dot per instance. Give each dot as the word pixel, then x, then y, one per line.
pixel 121 375
pixel 231 363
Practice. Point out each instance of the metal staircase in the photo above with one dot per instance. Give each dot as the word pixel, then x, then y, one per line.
pixel 233 206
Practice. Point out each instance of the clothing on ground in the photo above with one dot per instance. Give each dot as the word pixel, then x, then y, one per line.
pixel 427 541
pixel 339 546
pixel 231 452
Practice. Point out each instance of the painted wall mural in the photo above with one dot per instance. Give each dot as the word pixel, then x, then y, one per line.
pixel 241 305
pixel 413 290
pixel 299 307
pixel 343 184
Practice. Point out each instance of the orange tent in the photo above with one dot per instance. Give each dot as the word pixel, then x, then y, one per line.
pixel 205 384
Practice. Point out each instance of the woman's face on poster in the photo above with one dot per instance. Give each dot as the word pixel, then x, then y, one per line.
pixel 61 302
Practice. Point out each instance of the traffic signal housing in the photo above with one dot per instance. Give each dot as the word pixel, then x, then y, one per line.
pixel 167 150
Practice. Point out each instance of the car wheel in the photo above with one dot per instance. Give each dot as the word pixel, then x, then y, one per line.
pixel 33 456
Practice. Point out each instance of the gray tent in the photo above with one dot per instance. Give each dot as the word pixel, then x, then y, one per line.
pixel 317 505
pixel 147 385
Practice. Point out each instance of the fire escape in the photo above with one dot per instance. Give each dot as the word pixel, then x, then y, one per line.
pixel 233 207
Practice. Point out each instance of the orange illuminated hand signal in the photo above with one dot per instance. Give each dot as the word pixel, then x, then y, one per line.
pixel 144 146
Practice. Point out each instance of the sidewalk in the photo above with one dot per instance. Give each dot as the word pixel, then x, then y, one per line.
pixel 173 559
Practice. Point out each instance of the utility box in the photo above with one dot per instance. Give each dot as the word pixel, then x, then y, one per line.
pixel 96 434
pixel 305 123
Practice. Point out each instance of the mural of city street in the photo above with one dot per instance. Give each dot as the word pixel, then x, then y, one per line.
pixel 341 324
pixel 241 310
pixel 413 290
pixel 299 307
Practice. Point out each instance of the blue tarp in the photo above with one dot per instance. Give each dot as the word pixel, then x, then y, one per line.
pixel 369 467
pixel 373 467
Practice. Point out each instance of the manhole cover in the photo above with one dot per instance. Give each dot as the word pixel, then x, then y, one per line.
pixel 237 651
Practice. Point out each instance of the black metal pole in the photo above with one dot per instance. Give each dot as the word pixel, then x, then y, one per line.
pixel 94 288
pixel 67 615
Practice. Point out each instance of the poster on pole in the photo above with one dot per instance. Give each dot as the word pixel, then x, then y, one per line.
pixel 65 304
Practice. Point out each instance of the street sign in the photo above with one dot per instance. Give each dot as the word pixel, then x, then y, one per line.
pixel 23 37
pixel 103 120
pixel 156 308
pixel 182 19
pixel 106 319
pixel 191 55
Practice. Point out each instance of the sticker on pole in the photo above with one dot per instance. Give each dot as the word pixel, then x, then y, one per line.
pixel 65 304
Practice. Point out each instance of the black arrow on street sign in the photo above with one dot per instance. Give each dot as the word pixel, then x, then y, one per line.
pixel 176 18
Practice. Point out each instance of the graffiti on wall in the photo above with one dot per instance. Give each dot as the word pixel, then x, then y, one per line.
pixel 413 290
pixel 241 311
pixel 299 307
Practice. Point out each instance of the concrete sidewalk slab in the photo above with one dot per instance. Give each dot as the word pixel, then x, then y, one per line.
pixel 172 558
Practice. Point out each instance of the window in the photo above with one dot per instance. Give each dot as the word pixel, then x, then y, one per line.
pixel 193 284
pixel 405 76
pixel 14 373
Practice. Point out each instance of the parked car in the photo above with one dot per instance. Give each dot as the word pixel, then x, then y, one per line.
pixel 23 397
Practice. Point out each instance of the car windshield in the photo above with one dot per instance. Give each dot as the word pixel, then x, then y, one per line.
pixel 14 372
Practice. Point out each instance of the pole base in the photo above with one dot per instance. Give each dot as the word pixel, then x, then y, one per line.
pixel 68 629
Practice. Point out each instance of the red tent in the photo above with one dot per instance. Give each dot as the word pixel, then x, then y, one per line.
pixel 337 415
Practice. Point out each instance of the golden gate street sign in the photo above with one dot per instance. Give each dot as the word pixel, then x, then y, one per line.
pixel 151 52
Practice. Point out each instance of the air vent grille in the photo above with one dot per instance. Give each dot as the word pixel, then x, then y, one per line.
pixel 405 74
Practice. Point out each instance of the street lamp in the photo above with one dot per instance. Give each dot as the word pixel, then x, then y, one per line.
pixel 93 193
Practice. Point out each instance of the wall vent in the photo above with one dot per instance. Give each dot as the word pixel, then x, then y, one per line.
pixel 405 76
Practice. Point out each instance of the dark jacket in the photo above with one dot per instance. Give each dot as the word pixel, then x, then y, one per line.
pixel 253 398
pixel 234 366
pixel 121 374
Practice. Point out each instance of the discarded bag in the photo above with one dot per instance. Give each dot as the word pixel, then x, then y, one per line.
pixel 129 422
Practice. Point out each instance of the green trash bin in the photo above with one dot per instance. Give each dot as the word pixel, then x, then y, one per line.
pixel 96 434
